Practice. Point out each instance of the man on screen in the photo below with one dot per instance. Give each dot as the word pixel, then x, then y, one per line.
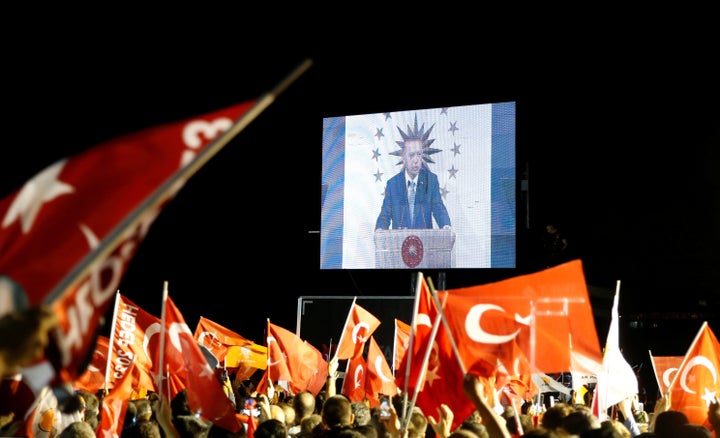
pixel 412 197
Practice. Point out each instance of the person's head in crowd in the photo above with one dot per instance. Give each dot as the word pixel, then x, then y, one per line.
pixel 475 427
pixel 526 423
pixel 361 412
pixel 368 430
pixel 304 405
pixel 337 412
pixel 191 426
pixel 220 432
pixel 348 432
pixel 667 423
pixel 179 404
pixel 417 425
pixel 579 421
pixel 143 409
pixel 308 424
pixel 25 335
pixel 92 408
pixel 612 428
pixel 288 412
pixel 320 400
pixel 462 433
pixel 691 430
pixel 277 412
pixel 553 417
pixel 142 429
pixel 271 428
pixel 77 429
pixel 541 432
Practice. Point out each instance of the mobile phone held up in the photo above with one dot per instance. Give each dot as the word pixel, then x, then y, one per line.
pixel 384 408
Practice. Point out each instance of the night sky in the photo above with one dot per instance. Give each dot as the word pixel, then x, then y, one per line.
pixel 618 139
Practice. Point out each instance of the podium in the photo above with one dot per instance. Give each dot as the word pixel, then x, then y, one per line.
pixel 414 249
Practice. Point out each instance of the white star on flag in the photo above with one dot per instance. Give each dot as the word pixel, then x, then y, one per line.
pixel 45 186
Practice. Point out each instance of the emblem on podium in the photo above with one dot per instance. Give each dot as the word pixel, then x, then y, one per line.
pixel 412 251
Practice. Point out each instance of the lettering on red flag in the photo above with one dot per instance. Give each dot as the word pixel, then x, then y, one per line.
pixel 95 207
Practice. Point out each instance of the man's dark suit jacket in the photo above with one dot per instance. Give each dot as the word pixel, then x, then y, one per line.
pixel 395 211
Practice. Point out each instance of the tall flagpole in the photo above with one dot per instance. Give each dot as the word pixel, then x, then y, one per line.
pixel 163 330
pixel 108 366
pixel 409 351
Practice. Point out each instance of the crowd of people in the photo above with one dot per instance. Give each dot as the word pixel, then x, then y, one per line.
pixel 327 414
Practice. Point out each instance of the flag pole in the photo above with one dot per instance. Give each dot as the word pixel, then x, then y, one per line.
pixel 450 336
pixel 161 354
pixel 108 366
pixel 421 375
pixel 166 191
pixel 408 352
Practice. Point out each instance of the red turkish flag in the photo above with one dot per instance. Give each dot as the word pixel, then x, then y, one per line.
pixel 407 375
pixel 231 349
pixel 134 342
pixel 292 359
pixel 517 381
pixel 665 368
pixel 379 378
pixel 548 314
pixel 359 326
pixel 402 338
pixel 114 405
pixel 441 374
pixel 355 378
pixel 185 359
pixel 218 338
pixel 696 382
pixel 93 379
pixel 67 236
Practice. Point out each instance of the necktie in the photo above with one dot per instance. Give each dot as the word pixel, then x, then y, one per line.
pixel 411 198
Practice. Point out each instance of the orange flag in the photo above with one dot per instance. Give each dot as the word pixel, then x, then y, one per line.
pixel 696 382
pixel 359 326
pixel 401 343
pixel 379 378
pixel 665 368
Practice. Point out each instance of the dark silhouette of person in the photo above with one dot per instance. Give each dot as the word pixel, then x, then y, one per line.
pixel 555 246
